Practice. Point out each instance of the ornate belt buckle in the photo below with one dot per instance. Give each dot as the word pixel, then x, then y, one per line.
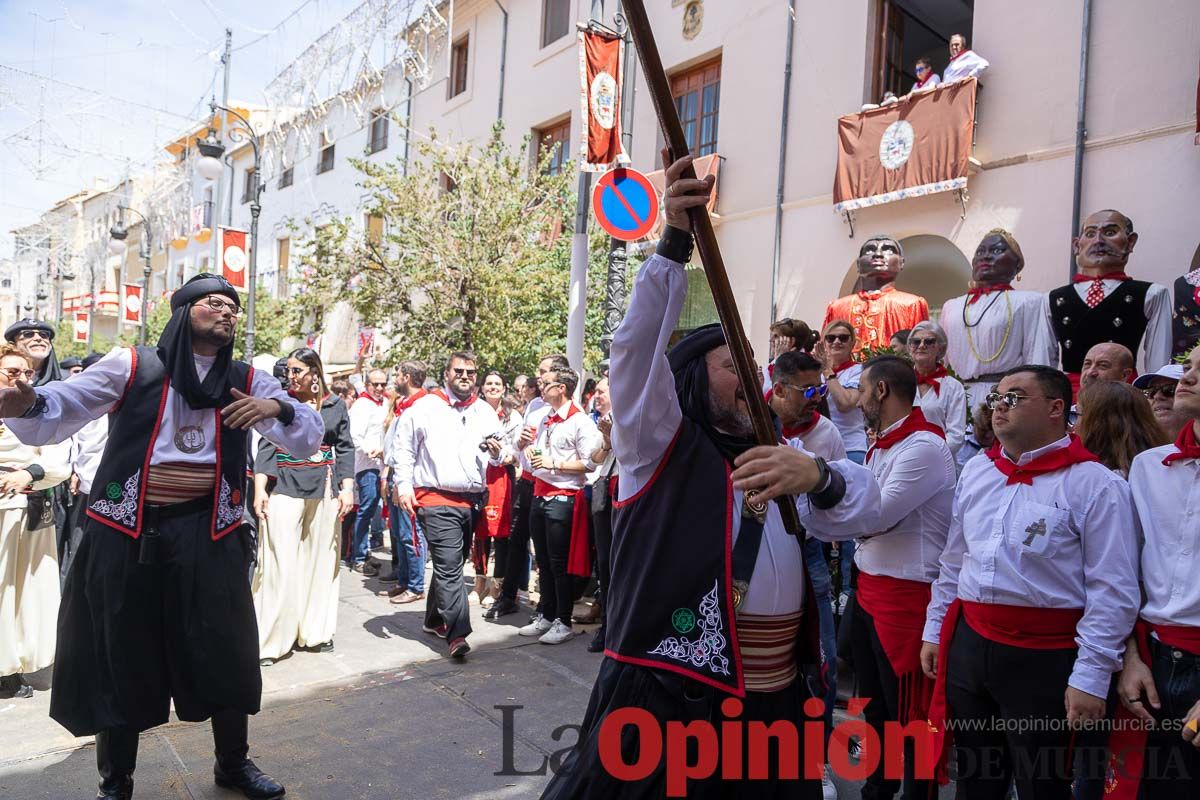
pixel 739 593
pixel 753 508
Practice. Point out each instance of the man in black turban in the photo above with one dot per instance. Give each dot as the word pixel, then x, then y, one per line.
pixel 156 609
pixel 35 339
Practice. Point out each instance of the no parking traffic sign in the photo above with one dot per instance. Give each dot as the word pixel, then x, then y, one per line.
pixel 625 204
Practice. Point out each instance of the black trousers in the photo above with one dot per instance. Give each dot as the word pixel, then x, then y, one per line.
pixel 877 682
pixel 550 527
pixel 518 540
pixel 446 527
pixel 602 533
pixel 1172 766
pixel 133 638
pixel 671 698
pixel 71 534
pixel 1010 719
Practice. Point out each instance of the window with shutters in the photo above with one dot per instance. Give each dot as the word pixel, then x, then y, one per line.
pixel 555 139
pixel 556 20
pixel 325 162
pixel 458 67
pixel 379 132
pixel 697 93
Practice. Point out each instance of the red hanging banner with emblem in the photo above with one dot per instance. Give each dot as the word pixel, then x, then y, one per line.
pixel 131 303
pixel 81 326
pixel 234 257
pixel 600 60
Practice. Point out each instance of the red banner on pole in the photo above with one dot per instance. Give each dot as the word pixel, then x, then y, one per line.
pixel 600 75
pixel 233 256
pixel 131 302
pixel 81 326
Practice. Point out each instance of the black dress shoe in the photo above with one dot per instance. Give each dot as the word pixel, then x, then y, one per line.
pixel 116 790
pixel 597 643
pixel 248 779
pixel 501 608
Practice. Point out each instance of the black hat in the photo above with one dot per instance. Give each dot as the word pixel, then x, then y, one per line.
pixel 70 362
pixel 695 344
pixel 201 285
pixel 91 358
pixel 28 324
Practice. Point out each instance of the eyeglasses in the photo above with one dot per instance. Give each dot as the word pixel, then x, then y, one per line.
pixel 1166 390
pixel 16 372
pixel 33 333
pixel 1009 399
pixel 460 372
pixel 831 338
pixel 809 392
pixel 915 343
pixel 219 305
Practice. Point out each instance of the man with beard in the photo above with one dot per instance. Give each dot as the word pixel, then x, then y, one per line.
pixel 1104 304
pixel 157 610
pixel 707 609
pixel 35 339
pixel 878 309
pixel 994 327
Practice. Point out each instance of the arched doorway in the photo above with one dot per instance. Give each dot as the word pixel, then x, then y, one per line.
pixel 933 268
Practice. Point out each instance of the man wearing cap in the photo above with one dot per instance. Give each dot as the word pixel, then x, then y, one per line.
pixel 70 366
pixel 35 339
pixel 1159 387
pixel 708 606
pixel 158 610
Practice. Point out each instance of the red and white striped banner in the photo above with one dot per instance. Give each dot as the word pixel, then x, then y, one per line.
pixel 234 258
pixel 81 326
pixel 131 302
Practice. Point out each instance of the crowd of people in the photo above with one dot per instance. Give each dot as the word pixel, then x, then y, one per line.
pixel 985 535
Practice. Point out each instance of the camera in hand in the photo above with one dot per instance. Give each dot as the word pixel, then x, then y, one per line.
pixel 483 446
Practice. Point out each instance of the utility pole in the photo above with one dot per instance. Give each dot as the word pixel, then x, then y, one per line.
pixel 618 254
pixel 226 58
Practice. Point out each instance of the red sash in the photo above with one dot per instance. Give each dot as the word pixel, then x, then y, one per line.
pixel 898 608
pixel 1018 626
pixel 579 558
pixel 496 518
pixel 427 497
pixel 1127 742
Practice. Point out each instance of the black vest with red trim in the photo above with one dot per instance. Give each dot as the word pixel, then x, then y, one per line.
pixel 670 601
pixel 1120 318
pixel 119 488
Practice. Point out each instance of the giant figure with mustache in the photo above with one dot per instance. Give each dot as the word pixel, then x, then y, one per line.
pixel 1104 304
pixel 877 309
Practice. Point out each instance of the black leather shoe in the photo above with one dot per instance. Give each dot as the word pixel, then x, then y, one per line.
pixel 116 790
pixel 597 643
pixel 249 780
pixel 501 608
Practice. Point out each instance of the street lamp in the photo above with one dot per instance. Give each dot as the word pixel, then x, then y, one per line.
pixel 209 167
pixel 118 247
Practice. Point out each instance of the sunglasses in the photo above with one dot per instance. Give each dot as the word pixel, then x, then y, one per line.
pixel 297 370
pixel 379 384
pixel 1009 399
pixel 460 372
pixel 809 392
pixel 831 338
pixel 16 372
pixel 1166 390
pixel 30 333
pixel 915 343
pixel 219 305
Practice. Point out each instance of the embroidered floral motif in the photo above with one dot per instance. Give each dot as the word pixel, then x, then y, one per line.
pixel 227 511
pixel 708 648
pixel 125 511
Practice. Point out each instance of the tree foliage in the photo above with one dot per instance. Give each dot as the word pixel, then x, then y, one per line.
pixel 475 256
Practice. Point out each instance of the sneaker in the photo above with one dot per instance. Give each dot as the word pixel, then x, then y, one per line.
pixel 441 630
pixel 557 634
pixel 407 597
pixel 501 608
pixel 828 789
pixel 459 647
pixel 536 628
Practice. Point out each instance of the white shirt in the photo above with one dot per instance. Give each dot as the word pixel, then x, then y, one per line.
pixel 574 438
pixel 1009 327
pixel 947 409
pixel 92 393
pixel 87 446
pixel 15 453
pixel 910 522
pixel 824 440
pixel 1167 502
pixel 1156 341
pixel 366 430
pixel 931 82
pixel 534 414
pixel 1086 558
pixel 966 64
pixel 436 446
pixel 850 423
pixel 646 417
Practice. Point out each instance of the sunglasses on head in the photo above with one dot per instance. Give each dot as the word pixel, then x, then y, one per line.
pixel 831 338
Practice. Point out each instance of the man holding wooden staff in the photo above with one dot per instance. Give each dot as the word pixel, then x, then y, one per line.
pixel 709 612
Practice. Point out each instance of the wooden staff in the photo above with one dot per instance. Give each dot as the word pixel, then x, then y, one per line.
pixel 706 243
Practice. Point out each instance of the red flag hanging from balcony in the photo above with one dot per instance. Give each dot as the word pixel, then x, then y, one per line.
pixel 131 303
pixel 911 148
pixel 600 60
pixel 81 326
pixel 233 256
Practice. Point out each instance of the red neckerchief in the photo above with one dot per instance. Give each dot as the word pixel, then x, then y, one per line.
pixel 1185 445
pixel 960 55
pixel 457 405
pixel 367 396
pixel 873 294
pixel 1108 276
pixel 842 367
pixel 932 379
pixel 802 428
pixel 913 423
pixel 1074 453
pixel 925 80
pixel 554 418
pixel 405 403
pixel 973 295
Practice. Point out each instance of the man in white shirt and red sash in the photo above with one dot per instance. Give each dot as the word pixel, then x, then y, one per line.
pixel 1037 592
pixel 1161 679
pixel 558 518
pixel 898 562
pixel 964 63
pixel 157 608
pixel 441 460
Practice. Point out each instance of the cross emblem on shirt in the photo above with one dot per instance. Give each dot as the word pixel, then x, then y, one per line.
pixel 1034 530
